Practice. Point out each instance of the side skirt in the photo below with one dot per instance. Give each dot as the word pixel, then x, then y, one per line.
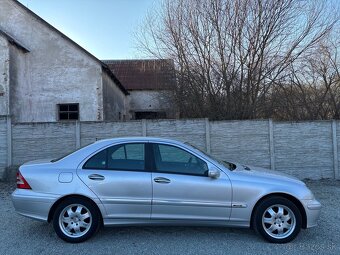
pixel 149 222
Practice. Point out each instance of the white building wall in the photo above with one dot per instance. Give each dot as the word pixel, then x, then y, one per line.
pixel 116 105
pixel 153 101
pixel 4 76
pixel 55 70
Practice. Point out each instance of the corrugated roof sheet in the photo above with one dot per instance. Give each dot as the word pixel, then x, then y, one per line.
pixel 146 74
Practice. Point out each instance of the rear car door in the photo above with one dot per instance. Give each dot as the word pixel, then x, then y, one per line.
pixel 182 189
pixel 119 176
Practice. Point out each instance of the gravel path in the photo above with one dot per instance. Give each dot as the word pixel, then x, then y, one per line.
pixel 20 235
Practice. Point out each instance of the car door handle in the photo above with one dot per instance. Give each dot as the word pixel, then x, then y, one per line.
pixel 96 177
pixel 161 180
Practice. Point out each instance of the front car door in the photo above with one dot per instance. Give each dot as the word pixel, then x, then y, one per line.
pixel 182 189
pixel 119 176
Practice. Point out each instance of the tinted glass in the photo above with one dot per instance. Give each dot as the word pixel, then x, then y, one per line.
pixel 98 161
pixel 171 159
pixel 63 107
pixel 73 116
pixel 127 157
pixel 119 153
pixel 73 107
pixel 63 116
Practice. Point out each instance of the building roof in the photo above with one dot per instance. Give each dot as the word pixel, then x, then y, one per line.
pixel 146 74
pixel 13 41
pixel 104 66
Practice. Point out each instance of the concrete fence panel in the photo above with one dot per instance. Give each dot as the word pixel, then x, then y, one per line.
pixel 309 149
pixel 304 149
pixel 93 131
pixel 190 131
pixel 336 144
pixel 42 140
pixel 246 142
pixel 3 145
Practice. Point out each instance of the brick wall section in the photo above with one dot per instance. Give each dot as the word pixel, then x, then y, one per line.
pixel 302 149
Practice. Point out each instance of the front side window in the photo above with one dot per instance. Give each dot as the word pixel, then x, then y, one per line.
pixel 171 159
pixel 119 157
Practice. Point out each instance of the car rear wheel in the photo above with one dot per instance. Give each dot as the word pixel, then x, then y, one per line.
pixel 277 219
pixel 76 220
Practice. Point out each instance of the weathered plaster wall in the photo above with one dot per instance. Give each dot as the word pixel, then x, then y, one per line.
pixel 19 73
pixel 4 76
pixel 56 71
pixel 114 100
pixel 152 100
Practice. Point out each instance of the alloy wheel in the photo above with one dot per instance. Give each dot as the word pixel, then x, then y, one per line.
pixel 75 220
pixel 278 221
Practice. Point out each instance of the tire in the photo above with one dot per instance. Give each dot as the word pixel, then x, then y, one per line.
pixel 75 220
pixel 277 219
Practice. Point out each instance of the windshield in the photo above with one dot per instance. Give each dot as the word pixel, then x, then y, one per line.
pixel 226 164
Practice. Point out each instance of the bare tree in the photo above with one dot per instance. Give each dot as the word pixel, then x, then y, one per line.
pixel 230 54
pixel 312 87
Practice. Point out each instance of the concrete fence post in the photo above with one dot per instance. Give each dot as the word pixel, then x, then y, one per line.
pixel 335 151
pixel 143 127
pixel 9 141
pixel 78 142
pixel 271 144
pixel 207 135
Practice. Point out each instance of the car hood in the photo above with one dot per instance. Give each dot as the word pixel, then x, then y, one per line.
pixel 265 173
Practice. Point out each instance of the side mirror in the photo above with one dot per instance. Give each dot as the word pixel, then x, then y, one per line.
pixel 214 173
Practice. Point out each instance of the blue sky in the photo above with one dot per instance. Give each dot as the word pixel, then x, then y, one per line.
pixel 104 27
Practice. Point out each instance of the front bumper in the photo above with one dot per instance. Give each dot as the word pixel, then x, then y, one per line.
pixel 32 204
pixel 312 209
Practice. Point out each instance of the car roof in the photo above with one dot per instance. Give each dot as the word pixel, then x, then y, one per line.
pixel 139 138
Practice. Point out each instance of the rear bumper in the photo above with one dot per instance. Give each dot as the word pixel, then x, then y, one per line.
pixel 32 204
pixel 313 209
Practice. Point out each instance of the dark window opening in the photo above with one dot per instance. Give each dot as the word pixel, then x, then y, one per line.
pixel 68 111
pixel 150 115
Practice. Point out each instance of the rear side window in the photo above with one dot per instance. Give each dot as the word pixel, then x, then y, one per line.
pixel 126 157
pixel 129 157
pixel 98 161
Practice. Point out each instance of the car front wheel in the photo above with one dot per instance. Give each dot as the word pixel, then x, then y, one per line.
pixel 76 220
pixel 277 219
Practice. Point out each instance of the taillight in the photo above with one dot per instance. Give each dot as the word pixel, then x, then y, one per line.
pixel 21 182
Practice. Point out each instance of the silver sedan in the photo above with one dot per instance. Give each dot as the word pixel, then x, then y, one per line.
pixel 153 181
